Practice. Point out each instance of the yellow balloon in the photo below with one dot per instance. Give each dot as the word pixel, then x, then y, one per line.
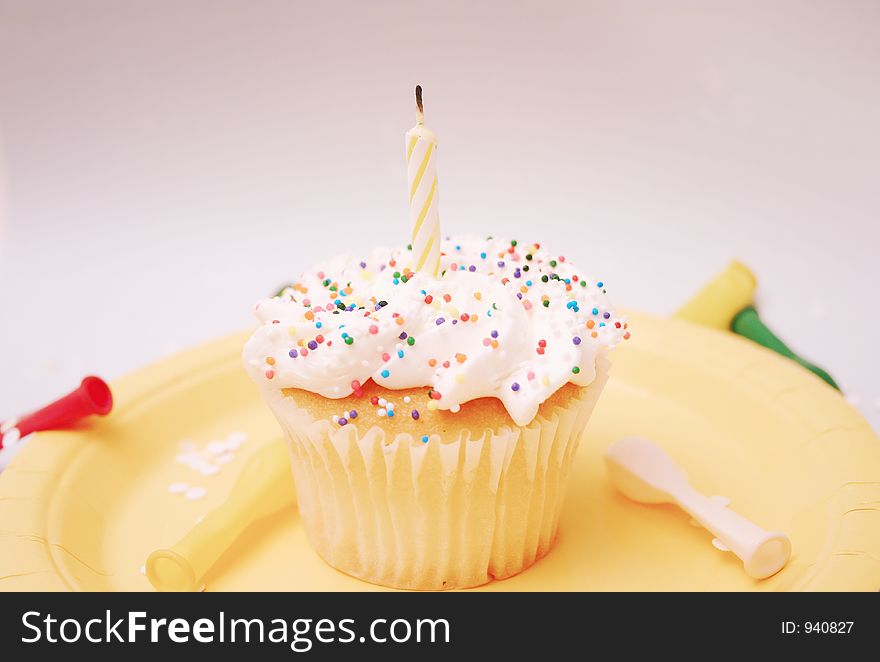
pixel 264 487
pixel 716 304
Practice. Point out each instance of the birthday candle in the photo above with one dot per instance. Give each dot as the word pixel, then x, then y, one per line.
pixel 421 172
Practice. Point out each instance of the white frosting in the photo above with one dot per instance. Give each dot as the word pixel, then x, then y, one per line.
pixel 517 350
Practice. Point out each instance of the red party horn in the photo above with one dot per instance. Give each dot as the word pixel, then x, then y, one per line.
pixel 92 397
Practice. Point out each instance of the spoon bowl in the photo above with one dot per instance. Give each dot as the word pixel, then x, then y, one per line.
pixel 643 471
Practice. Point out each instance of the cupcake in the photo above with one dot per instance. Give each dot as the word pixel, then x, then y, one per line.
pixel 432 421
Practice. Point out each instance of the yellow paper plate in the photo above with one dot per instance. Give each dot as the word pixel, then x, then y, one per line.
pixel 81 510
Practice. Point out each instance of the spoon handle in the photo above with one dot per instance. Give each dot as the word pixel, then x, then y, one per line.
pixel 763 552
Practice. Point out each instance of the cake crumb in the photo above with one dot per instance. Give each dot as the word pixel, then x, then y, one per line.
pixel 195 493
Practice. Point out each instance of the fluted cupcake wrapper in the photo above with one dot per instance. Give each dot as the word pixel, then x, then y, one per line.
pixel 436 515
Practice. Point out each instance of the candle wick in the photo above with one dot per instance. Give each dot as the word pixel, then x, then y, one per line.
pixel 420 113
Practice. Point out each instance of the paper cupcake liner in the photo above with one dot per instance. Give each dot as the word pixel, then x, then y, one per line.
pixel 436 515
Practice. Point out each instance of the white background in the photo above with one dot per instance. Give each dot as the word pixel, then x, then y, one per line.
pixel 164 164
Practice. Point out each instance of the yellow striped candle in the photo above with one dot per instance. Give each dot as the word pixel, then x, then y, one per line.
pixel 421 173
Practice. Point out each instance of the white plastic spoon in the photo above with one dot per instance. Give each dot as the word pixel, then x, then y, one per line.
pixel 645 473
